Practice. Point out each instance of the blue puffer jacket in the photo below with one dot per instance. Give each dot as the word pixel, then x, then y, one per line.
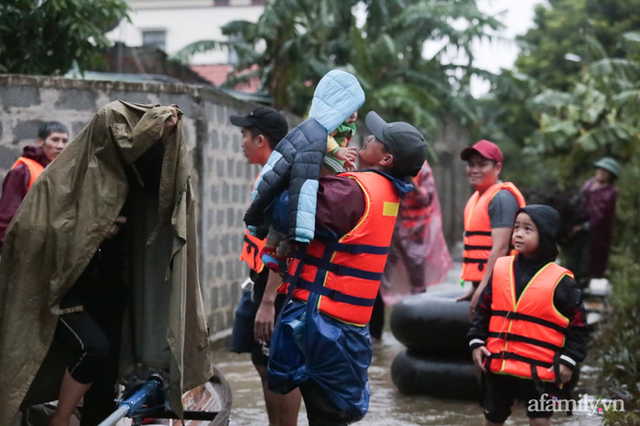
pixel 296 162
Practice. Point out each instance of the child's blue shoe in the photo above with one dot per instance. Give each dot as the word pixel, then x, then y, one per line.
pixel 271 259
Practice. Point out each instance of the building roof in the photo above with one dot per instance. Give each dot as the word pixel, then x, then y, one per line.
pixel 218 75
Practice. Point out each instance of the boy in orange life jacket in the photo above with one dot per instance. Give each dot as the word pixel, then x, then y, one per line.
pixel 52 139
pixel 526 346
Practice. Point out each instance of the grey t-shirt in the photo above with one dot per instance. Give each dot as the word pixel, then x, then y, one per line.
pixel 503 209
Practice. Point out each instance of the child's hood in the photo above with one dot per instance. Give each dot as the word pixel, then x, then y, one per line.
pixel 337 96
pixel 547 220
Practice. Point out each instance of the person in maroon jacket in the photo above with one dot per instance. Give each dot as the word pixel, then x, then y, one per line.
pixel 52 139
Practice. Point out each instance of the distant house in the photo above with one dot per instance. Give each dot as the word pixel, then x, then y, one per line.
pixel 165 27
pixel 219 74
pixel 171 25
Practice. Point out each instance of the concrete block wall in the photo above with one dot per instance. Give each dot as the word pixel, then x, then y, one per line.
pixel 222 179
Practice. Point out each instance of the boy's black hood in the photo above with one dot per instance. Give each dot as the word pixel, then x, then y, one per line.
pixel 547 220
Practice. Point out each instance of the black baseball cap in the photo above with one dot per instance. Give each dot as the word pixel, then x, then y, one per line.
pixel 267 120
pixel 404 142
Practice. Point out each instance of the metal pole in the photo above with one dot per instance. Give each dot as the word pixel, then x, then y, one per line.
pixel 134 402
pixel 116 416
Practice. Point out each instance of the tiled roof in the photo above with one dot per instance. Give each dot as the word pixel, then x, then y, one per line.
pixel 218 74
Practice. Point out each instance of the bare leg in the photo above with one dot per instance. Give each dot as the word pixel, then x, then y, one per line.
pixel 281 409
pixel 540 422
pixel 71 392
pixel 289 406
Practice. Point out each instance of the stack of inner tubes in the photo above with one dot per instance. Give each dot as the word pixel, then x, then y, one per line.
pixel 437 361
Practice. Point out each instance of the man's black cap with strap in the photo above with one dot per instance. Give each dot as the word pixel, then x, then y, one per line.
pixel 267 120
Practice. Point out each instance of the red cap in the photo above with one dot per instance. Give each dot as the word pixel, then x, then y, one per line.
pixel 488 150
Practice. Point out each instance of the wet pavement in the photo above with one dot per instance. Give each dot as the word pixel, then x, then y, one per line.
pixel 387 406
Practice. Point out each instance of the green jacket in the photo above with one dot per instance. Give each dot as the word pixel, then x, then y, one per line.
pixel 58 228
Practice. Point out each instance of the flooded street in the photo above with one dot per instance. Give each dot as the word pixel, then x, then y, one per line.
pixel 388 406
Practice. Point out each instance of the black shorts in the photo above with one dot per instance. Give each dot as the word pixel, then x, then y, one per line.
pixel 242 338
pixel 501 392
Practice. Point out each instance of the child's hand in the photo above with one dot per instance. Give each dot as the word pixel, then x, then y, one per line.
pixel 349 166
pixel 347 154
pixel 565 373
pixel 478 355
pixel 353 118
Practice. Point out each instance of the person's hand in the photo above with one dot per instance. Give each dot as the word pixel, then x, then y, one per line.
pixel 474 303
pixel 349 156
pixel 565 373
pixel 467 296
pixel 575 230
pixel 349 167
pixel 353 118
pixel 263 325
pixel 170 124
pixel 478 355
pixel 115 228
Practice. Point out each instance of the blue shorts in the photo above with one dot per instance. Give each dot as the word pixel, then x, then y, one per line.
pixel 242 336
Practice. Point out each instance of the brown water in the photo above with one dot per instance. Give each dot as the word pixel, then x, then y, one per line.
pixel 387 407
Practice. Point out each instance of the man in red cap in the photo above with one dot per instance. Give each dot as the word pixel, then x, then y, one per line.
pixel 488 216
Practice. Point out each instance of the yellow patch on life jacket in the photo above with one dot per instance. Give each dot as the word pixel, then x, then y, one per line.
pixel 390 209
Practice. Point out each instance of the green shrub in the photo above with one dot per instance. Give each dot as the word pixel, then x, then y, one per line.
pixel 617 342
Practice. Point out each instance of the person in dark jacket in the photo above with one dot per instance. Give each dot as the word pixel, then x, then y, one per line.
pixel 52 139
pixel 592 238
pixel 504 343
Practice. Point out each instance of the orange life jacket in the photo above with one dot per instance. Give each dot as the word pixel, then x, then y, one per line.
pixel 347 272
pixel 413 214
pixel 525 335
pixel 251 249
pixel 35 169
pixel 477 230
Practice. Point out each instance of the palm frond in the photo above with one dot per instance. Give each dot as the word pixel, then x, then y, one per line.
pixel 201 46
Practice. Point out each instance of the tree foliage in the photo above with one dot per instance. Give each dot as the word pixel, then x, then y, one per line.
pixel 49 36
pixel 295 42
pixel 571 33
pixel 598 117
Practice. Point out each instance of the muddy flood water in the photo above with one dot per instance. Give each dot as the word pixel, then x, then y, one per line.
pixel 387 406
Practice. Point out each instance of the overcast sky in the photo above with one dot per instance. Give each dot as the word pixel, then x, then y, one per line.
pixel 518 18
